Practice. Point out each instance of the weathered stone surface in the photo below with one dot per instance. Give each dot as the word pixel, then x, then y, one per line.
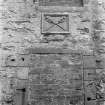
pixel 34 79
pixel 90 74
pixel 61 3
pixel 43 59
pixel 89 62
pixel 74 100
pixel 56 75
pixel 44 90
pixel 31 59
pixel 21 84
pixel 90 93
pixel 18 60
pixel 22 73
pixel 51 50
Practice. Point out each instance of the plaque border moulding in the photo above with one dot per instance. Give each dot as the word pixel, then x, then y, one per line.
pixel 64 18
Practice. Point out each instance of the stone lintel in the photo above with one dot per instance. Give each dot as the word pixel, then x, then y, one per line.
pixel 51 51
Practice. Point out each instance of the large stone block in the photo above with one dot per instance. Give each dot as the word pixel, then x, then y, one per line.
pixel 76 84
pixel 42 100
pixel 41 70
pixel 21 84
pixel 74 100
pixel 18 60
pixel 44 90
pixel 22 73
pixel 90 92
pixel 11 60
pixel 70 92
pixel 11 72
pixel 89 62
pixel 51 50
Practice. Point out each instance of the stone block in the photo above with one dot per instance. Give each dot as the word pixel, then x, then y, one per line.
pixel 90 92
pixel 21 84
pixel 54 38
pixel 11 72
pixel 24 60
pixel 48 59
pixel 47 100
pixel 89 74
pixel 64 63
pixel 47 79
pixel 74 100
pixel 2 59
pixel 34 79
pixel 22 73
pixel 59 100
pixel 89 62
pixel 35 102
pixel 41 70
pixel 11 61
pixel 42 100
pixel 70 92
pixel 19 60
pixel 34 59
pixel 61 3
pixel 50 50
pixel 44 90
pixel 74 74
pixel 100 63
pixel 76 84
pixel 90 96
pixel 44 50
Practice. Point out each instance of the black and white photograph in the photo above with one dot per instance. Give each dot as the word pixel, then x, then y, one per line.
pixel 52 52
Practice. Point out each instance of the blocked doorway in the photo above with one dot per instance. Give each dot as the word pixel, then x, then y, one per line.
pixel 62 78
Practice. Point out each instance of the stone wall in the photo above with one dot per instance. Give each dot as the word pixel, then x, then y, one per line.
pixel 21 35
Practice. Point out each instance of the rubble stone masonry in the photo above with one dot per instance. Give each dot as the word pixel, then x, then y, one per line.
pixel 40 68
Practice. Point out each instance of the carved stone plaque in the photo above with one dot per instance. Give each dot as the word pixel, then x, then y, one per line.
pixel 55 23
pixel 60 2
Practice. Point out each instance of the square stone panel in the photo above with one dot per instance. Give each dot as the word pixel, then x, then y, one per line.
pixel 55 23
pixel 89 62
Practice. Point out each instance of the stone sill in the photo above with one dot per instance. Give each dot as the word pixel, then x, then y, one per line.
pixel 59 9
pixel 50 50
